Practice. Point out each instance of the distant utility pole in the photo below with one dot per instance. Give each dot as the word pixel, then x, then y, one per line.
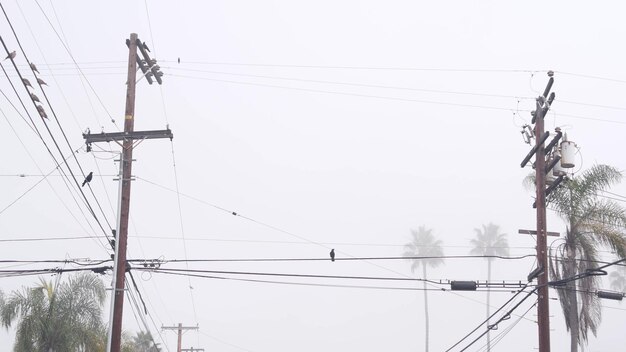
pixel 542 106
pixel 180 329
pixel 127 139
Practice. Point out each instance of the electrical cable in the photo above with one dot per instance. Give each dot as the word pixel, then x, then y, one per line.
pixel 33 186
pixel 224 342
pixel 293 283
pixel 136 305
pixel 421 101
pixel 491 316
pixel 311 90
pixel 504 317
pixel 48 129
pixel 488 95
pixel 40 170
pixel 59 125
pixel 77 66
pixel 509 328
pixel 54 77
pixel 344 259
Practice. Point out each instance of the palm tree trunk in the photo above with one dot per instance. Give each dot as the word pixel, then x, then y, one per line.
pixel 425 307
pixel 488 305
pixel 573 301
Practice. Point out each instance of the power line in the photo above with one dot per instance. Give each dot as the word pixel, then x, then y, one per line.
pixel 33 186
pixel 372 96
pixel 214 239
pixel 77 66
pixel 423 101
pixel 60 128
pixel 376 68
pixel 317 276
pixel 65 178
pixel 341 259
pixel 356 84
pixel 293 283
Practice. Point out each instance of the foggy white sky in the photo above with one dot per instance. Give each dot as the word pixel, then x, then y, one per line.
pixel 344 124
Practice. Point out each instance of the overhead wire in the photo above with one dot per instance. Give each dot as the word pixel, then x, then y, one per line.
pixel 381 97
pixel 59 126
pixel 234 213
pixel 46 178
pixel 136 304
pixel 65 177
pixel 224 342
pixel 180 211
pixel 214 239
pixel 77 66
pixel 43 57
pixel 296 283
pixel 342 259
pixel 499 337
pixel 510 300
pixel 71 173
pixel 33 186
pixel 363 85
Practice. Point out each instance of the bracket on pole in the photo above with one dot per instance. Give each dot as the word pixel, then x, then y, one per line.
pixel 540 142
pixel 123 136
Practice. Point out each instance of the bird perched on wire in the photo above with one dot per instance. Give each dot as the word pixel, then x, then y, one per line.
pixel 26 82
pixel 41 81
pixel 33 67
pixel 87 179
pixel 145 46
pixel 42 112
pixel 11 55
pixel 35 98
pixel 332 255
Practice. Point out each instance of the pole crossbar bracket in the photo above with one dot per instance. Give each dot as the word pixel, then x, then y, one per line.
pixel 532 152
pixel 124 136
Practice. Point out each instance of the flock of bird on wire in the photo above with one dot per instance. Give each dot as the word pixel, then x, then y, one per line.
pixel 36 100
pixel 26 83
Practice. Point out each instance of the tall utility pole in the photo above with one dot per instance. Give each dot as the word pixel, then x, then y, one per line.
pixel 542 106
pixel 127 138
pixel 543 307
pixel 180 329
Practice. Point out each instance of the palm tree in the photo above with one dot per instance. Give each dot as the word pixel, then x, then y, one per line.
pixel 143 342
pixel 54 318
pixel 591 222
pixel 489 242
pixel 424 244
pixel 618 278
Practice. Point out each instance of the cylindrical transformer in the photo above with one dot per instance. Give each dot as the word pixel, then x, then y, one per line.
pixel 568 154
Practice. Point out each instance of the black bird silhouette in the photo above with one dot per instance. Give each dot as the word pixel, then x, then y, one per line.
pixel 145 47
pixel 11 55
pixel 41 111
pixel 33 67
pixel 332 254
pixel 41 81
pixel 87 179
pixel 35 98
pixel 26 82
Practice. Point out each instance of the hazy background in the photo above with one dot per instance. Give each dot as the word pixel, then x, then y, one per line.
pixel 326 124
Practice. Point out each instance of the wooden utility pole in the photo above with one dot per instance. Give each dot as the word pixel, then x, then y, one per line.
pixel 180 329
pixel 539 151
pixel 127 138
pixel 122 233
pixel 542 244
